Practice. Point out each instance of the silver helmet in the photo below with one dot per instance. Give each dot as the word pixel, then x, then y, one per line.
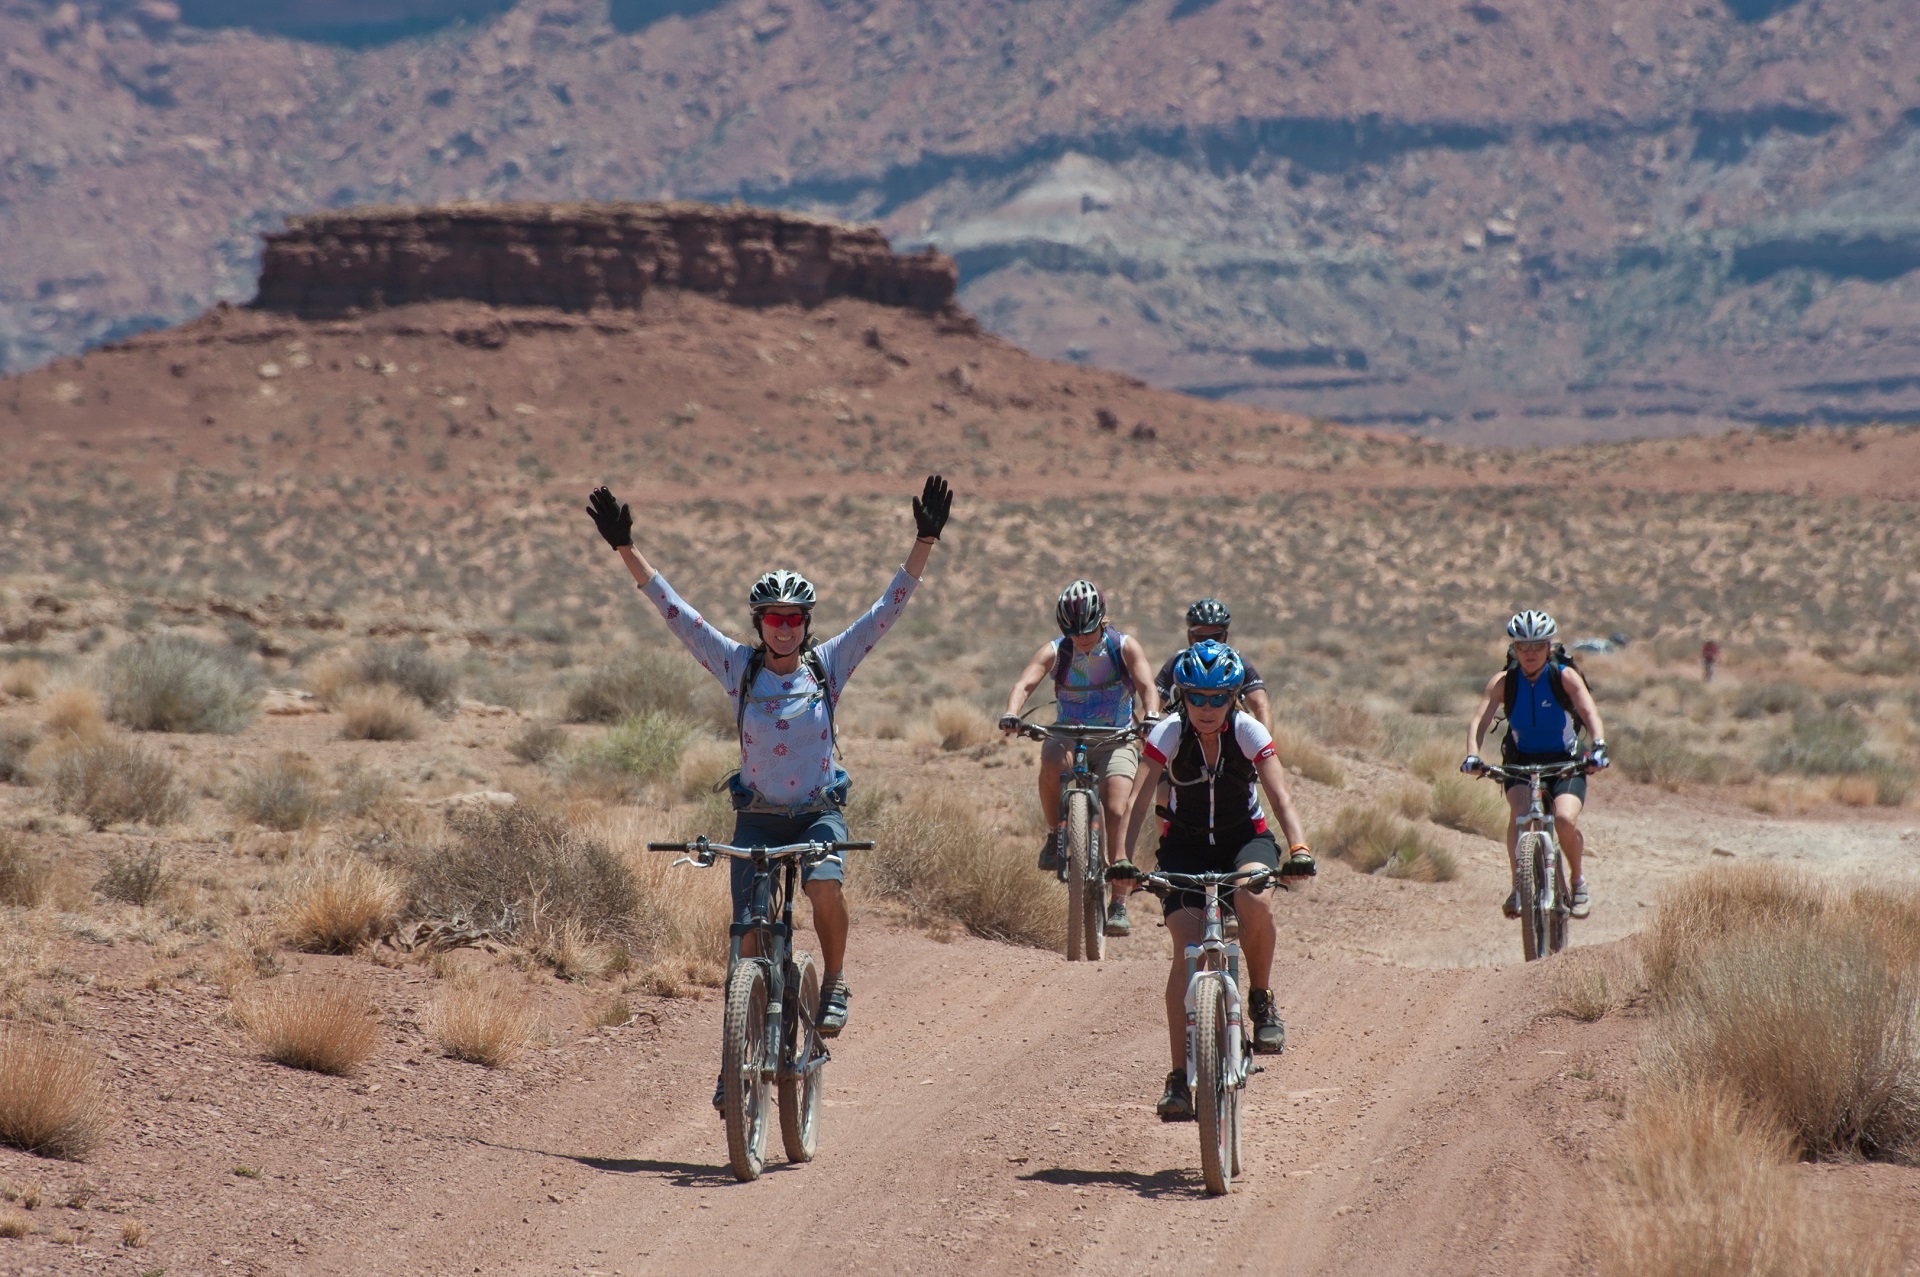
pixel 781 588
pixel 1531 627
pixel 1080 610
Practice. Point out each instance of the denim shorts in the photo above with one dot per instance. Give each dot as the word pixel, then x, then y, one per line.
pixel 766 829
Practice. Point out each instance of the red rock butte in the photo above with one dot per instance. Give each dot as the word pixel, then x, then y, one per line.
pixel 582 257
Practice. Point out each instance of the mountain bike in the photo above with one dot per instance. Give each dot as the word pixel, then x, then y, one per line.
pixel 1539 869
pixel 1219 1050
pixel 1082 867
pixel 771 1036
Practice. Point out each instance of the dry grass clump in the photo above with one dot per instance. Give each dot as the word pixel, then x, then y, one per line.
pixel 115 782
pixel 936 855
pixel 1825 744
pixel 1433 759
pixel 1778 697
pixel 523 871
pixel 329 1029
pixel 1471 806
pixel 1588 985
pixel 284 792
pixel 176 683
pixel 73 714
pixel 1802 997
pixel 52 1101
pixel 1374 839
pixel 705 764
pixel 341 905
pixel 410 668
pixel 23 680
pixel 1304 758
pixel 16 747
pixel 1342 724
pixel 537 742
pixel 952 724
pixel 481 1021
pixel 134 878
pixel 25 878
pixel 14 1225
pixel 381 713
pixel 1661 756
pixel 1710 1192
pixel 642 682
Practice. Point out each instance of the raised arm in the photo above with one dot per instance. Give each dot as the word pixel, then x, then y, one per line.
pixel 845 650
pixel 719 655
pixel 614 518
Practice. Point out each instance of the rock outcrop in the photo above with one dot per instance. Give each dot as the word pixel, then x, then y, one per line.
pixel 586 257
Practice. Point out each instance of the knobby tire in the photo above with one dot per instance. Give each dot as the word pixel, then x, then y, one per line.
pixel 800 1096
pixel 1213 1099
pixel 1533 931
pixel 1557 919
pixel 1093 906
pixel 743 1051
pixel 1079 854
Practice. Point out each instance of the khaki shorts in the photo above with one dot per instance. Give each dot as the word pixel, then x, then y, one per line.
pixel 1119 761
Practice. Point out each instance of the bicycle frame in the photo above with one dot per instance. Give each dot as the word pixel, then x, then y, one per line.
pixel 1539 819
pixel 1079 777
pixel 1214 955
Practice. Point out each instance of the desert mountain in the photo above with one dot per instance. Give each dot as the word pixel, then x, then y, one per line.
pixel 1496 220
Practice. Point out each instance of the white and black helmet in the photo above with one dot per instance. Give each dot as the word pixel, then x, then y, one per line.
pixel 1080 610
pixel 1531 626
pixel 781 588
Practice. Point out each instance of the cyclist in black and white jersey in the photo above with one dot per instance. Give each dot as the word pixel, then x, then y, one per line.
pixel 1218 758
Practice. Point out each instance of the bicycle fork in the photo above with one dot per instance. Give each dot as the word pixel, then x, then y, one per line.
pixel 1235 1062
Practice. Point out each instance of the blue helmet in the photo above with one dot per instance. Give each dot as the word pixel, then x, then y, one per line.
pixel 1209 666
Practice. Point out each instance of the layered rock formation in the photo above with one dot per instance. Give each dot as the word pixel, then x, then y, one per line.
pixel 586 257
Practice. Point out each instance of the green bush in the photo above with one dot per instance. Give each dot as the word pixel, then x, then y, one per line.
pixel 634 750
pixel 175 683
pixel 116 781
pixel 283 792
pixel 1826 744
pixel 413 669
pixel 645 681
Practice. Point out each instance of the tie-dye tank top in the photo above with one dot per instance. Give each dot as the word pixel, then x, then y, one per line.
pixel 1096 692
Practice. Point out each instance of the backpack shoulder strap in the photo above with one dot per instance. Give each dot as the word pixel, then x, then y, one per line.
pixel 1062 661
pixel 1510 692
pixel 1116 645
pixel 818 668
pixel 756 660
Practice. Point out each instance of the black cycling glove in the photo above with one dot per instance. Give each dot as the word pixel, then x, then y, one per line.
pixel 931 507
pixel 613 518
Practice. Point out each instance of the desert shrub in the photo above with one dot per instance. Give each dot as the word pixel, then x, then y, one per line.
pixel 1471 806
pixel 324 1029
pixel 359 791
pixel 1373 839
pixel 1826 744
pixel 116 781
pixel 1588 985
pixel 950 724
pixel 1706 908
pixel 16 743
pixel 936 855
pixel 175 683
pixel 480 1021
pixel 1709 1193
pixel 521 872
pixel 645 681
pixel 1433 759
pixel 411 668
pixel 381 713
pixel 134 879
pixel 1409 800
pixel 1892 783
pixel 537 742
pixel 1433 699
pixel 282 792
pixel 1779 697
pixel 1304 758
pixel 339 906
pixel 632 753
pixel 23 679
pixel 1342 724
pixel 73 714
pixel 24 877
pixel 52 1101
pixel 1660 756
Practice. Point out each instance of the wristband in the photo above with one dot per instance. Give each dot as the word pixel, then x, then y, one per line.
pixel 1300 846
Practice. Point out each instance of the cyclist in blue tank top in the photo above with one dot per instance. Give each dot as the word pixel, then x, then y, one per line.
pixel 1101 678
pixel 1546 706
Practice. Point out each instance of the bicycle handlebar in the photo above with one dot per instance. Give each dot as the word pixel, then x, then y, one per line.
pixel 1196 882
pixel 804 850
pixel 1521 771
pixel 1075 731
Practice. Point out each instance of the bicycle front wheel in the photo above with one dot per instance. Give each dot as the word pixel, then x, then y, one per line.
pixel 1557 916
pixel 1093 905
pixel 1526 881
pixel 743 1058
pixel 802 1084
pixel 1079 852
pixel 1213 1097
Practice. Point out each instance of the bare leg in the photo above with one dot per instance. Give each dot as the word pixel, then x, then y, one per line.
pixel 830 924
pixel 1566 815
pixel 1517 803
pixel 1184 926
pixel 1055 762
pixel 1257 935
pixel 1114 792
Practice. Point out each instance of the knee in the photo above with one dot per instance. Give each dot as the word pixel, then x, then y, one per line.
pixel 823 889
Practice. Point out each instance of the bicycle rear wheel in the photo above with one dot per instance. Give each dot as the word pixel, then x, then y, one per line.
pixel 743 1057
pixel 1079 852
pixel 1557 916
pixel 800 1096
pixel 1526 881
pixel 1213 1098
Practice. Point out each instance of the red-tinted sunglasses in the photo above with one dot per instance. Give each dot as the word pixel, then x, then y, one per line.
pixel 784 621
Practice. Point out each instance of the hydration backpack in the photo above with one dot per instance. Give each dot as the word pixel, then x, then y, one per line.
pixel 1063 660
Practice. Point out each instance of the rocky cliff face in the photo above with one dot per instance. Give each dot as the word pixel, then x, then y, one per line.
pixel 586 257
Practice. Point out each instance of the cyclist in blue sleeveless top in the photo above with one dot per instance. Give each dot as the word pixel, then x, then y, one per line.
pixel 1546 706
pixel 1101 678
pixel 788 788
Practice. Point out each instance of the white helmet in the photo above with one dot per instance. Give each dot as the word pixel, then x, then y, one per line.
pixel 781 587
pixel 1531 627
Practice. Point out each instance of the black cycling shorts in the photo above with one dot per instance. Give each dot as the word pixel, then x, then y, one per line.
pixel 1575 784
pixel 1192 854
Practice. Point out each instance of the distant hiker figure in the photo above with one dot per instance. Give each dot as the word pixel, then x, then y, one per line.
pixel 1709 657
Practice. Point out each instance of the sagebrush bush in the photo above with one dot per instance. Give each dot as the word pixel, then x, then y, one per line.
pixel 381 713
pixel 330 1029
pixel 176 683
pixel 642 682
pixel 283 792
pixel 1825 744
pixel 935 854
pixel 115 782
pixel 1469 805
pixel 1778 697
pixel 537 742
pixel 1374 839
pixel 341 905
pixel 632 753
pixel 52 1101
pixel 1658 755
pixel 412 668
pixel 480 1021
pixel 521 871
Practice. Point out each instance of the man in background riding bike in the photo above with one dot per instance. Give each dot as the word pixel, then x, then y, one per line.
pixel 1097 675
pixel 1217 758
pixel 1546 702
pixel 784 689
pixel 1209 619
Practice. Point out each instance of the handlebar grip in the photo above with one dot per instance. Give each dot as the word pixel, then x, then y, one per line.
pixel 669 846
pixel 853 846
